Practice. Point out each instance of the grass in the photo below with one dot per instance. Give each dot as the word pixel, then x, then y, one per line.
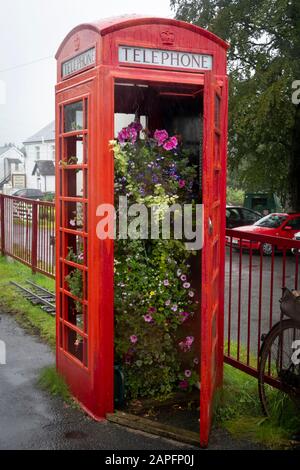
pixel 32 318
pixel 54 384
pixel 239 411
pixel 12 302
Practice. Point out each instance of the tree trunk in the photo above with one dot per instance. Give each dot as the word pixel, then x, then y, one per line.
pixel 295 164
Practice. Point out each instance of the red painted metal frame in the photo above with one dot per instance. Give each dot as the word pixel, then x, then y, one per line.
pixel 28 232
pixel 253 296
pixel 93 385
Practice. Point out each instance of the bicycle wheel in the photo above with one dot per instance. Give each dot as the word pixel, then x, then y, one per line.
pixel 279 360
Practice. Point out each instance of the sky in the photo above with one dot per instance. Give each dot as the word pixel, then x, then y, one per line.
pixel 31 30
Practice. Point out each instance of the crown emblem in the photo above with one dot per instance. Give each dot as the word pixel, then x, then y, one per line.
pixel 167 38
pixel 77 43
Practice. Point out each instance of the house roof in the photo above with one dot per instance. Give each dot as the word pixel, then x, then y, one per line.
pixel 47 134
pixel 45 168
pixel 3 150
pixel 6 149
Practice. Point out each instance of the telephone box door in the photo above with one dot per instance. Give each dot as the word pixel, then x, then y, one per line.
pixel 214 194
pixel 83 330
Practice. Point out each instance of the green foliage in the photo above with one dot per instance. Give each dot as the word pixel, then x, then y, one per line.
pixel 153 294
pixel 30 317
pixel 52 382
pixel 239 411
pixel 75 280
pixel 264 37
pixel 235 197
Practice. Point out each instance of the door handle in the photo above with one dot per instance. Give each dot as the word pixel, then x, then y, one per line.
pixel 210 226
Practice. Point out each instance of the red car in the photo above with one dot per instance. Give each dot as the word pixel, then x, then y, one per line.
pixel 276 225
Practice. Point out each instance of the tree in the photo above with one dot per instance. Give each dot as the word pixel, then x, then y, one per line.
pixel 264 61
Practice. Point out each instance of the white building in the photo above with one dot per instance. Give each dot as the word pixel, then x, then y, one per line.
pixel 40 159
pixel 12 174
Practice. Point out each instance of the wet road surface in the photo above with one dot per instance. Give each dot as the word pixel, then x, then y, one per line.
pixel 32 419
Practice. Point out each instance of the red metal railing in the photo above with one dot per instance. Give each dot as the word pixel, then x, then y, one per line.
pixel 254 283
pixel 28 232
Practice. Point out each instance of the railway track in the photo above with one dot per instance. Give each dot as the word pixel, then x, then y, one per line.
pixel 38 296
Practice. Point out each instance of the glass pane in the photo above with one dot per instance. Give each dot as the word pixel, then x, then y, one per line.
pixel 73 150
pixel 217 112
pixel 74 116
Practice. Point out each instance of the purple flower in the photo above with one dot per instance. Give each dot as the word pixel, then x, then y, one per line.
pixel 191 294
pixel 188 374
pixel 171 144
pixel 175 308
pixel 184 316
pixel 166 283
pixel 186 285
pixel 128 134
pixel 133 339
pixel 186 345
pixel 123 135
pixel 184 385
pixel 148 318
pixel 183 278
pixel 128 359
pixel 161 137
pixel 137 126
pixel 190 341
pixel 182 184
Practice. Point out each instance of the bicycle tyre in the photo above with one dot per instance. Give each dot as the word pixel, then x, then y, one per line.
pixel 266 349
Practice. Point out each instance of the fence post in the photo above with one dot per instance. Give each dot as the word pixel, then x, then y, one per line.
pixel 34 236
pixel 2 247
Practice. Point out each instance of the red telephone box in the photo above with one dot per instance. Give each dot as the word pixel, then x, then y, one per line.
pixel 95 63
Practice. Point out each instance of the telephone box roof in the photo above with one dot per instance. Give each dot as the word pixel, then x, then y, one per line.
pixel 109 25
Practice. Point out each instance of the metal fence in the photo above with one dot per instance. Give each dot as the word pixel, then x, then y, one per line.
pixel 28 232
pixel 253 280
pixel 253 286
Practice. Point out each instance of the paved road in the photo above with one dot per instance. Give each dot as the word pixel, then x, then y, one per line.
pixel 269 309
pixel 31 419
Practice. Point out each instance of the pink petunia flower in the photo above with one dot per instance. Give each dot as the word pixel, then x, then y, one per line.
pixel 171 144
pixel 133 339
pixel 152 310
pixel 183 278
pixel 188 374
pixel 148 318
pixel 186 285
pixel 128 134
pixel 166 283
pixel 191 294
pixel 196 361
pixel 168 303
pixel 190 340
pixel 182 184
pixel 161 137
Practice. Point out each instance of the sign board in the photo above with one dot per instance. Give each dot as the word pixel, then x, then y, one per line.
pixel 79 62
pixel 19 181
pixel 165 58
